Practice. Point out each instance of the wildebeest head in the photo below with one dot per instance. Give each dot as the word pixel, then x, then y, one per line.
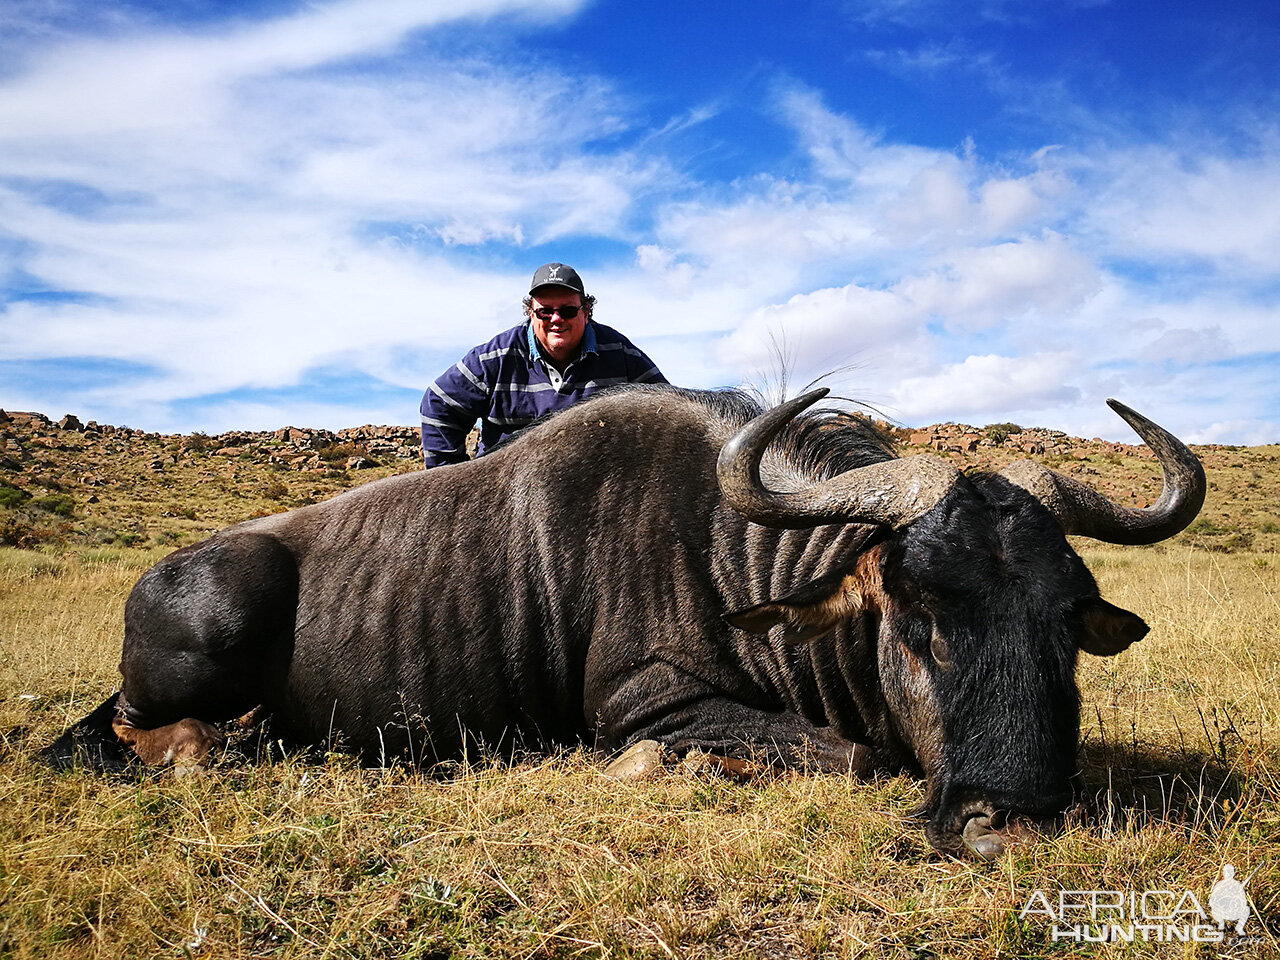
pixel 977 606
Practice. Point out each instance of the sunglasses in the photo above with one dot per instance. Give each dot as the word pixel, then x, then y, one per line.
pixel 566 313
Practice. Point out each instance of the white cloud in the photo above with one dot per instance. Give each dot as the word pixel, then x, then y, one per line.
pixel 828 329
pixel 1007 205
pixel 1243 432
pixel 844 152
pixel 243 207
pixel 1171 201
pixel 168 79
pixel 979 287
pixel 213 202
pixel 988 387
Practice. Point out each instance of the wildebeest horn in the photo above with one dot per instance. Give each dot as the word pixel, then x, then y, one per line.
pixel 891 493
pixel 1083 511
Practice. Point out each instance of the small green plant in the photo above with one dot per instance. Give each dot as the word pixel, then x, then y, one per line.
pixel 15 533
pixel 1241 540
pixel 198 443
pixel 1204 526
pixel 275 490
pixel 341 451
pixel 18 532
pixel 998 433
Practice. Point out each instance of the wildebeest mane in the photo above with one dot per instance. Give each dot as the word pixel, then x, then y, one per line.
pixel 819 443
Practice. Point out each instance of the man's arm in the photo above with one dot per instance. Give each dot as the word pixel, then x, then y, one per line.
pixel 450 407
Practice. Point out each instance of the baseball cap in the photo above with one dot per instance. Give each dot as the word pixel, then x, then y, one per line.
pixel 557 275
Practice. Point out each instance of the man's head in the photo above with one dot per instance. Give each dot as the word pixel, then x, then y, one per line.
pixel 558 307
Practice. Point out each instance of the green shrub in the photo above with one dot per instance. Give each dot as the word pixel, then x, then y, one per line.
pixel 61 504
pixel 11 496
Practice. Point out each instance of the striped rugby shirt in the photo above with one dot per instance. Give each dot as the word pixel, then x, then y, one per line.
pixel 506 385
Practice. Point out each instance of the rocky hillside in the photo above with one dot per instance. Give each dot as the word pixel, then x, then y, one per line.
pixel 92 485
pixel 97 484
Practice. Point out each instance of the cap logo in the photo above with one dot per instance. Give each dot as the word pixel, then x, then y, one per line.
pixel 553 273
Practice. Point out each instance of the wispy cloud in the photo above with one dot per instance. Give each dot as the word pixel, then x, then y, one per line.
pixel 1220 205
pixel 308 214
pixel 225 194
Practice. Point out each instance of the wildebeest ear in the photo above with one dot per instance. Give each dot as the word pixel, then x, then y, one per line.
pixel 1108 629
pixel 806 613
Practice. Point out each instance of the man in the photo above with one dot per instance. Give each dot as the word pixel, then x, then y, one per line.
pixel 557 357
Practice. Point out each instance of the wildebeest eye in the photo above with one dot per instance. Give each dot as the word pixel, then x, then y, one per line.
pixel 938 648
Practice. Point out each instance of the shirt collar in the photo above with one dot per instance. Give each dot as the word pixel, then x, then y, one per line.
pixel 588 345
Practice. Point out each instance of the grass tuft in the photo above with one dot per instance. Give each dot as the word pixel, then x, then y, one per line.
pixel 312 856
pixel 544 857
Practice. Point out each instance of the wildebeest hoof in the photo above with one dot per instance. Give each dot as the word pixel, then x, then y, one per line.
pixel 642 760
pixel 700 762
pixel 185 745
pixel 983 841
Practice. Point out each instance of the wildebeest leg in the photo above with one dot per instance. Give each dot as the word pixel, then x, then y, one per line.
pixel 185 744
pixel 731 731
pixel 208 637
pixel 645 759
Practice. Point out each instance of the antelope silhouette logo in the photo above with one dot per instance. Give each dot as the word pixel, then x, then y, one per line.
pixel 1227 902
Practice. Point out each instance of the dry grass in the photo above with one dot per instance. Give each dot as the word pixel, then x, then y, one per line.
pixel 314 857
pixel 546 857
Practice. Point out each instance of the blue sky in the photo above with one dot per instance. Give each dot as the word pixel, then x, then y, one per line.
pixel 245 215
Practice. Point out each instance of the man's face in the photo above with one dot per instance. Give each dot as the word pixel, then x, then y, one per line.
pixel 558 335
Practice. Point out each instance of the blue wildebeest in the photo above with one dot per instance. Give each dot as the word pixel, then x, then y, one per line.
pixel 661 565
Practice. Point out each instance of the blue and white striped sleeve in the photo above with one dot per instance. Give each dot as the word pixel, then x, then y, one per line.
pixel 450 407
pixel 640 369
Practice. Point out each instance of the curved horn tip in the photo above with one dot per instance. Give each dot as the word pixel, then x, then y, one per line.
pixel 1123 409
pixel 810 398
pixel 1134 419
